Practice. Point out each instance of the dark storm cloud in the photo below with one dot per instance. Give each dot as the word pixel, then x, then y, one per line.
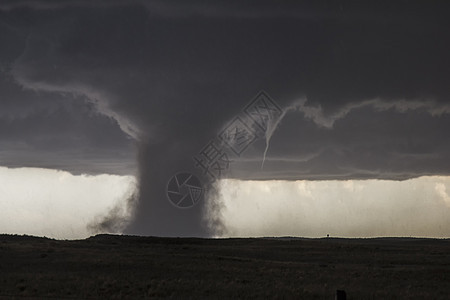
pixel 363 143
pixel 41 129
pixel 364 85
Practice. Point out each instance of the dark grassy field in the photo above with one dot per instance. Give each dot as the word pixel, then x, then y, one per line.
pixel 131 267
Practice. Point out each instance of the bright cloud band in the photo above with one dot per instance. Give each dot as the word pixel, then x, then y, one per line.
pixel 58 204
pixel 352 208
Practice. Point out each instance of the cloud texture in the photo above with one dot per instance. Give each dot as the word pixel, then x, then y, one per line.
pixel 363 90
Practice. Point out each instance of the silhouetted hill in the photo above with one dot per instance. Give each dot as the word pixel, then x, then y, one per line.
pixel 120 266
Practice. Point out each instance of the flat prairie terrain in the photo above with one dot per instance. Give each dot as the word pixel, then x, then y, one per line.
pixel 131 267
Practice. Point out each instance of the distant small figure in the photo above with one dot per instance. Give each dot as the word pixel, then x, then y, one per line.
pixel 328 235
pixel 340 295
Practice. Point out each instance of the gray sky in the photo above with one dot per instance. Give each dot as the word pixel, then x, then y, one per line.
pixel 140 87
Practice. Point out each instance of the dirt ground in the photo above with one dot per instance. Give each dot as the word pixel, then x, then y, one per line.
pixel 130 267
